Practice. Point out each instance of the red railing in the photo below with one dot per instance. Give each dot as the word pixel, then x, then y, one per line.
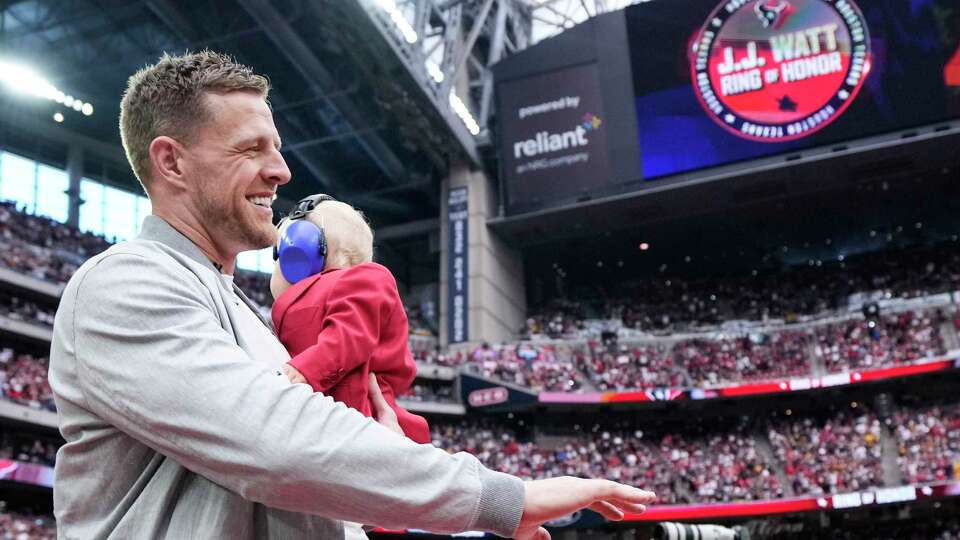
pixel 720 511
pixel 749 389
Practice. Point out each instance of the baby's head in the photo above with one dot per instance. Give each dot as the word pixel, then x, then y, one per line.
pixel 349 239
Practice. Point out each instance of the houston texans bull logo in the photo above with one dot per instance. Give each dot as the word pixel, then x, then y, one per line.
pixel 773 13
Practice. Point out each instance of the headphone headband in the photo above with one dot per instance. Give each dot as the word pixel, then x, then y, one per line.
pixel 305 205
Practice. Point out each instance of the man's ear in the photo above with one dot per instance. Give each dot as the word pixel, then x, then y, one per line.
pixel 165 155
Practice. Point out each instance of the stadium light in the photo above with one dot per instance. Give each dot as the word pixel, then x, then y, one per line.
pixel 23 80
pixel 464 113
pixel 434 70
pixel 401 22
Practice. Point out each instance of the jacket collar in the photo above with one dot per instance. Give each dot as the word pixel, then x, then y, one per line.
pixel 291 295
pixel 156 229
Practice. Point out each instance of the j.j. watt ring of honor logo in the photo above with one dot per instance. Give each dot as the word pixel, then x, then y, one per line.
pixel 779 70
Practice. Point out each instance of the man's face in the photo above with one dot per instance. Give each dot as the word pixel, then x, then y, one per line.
pixel 235 164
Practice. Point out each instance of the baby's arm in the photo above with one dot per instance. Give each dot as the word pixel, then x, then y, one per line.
pixel 362 301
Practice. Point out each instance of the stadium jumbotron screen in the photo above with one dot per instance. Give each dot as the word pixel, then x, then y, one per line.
pixel 720 83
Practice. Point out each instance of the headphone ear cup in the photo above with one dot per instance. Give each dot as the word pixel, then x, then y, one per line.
pixel 321 262
pixel 299 251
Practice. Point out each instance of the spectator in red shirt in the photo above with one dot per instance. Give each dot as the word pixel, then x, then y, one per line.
pixel 342 319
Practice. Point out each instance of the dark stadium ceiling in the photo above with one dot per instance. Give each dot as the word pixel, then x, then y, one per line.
pixel 889 211
pixel 352 126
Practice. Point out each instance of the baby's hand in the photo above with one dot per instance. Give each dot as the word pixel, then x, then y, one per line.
pixel 382 413
pixel 294 375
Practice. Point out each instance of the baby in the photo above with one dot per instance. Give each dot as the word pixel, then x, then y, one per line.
pixel 339 314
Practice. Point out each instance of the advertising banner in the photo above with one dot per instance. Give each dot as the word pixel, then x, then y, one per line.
pixel 553 139
pixel 493 396
pixel 458 309
pixel 26 473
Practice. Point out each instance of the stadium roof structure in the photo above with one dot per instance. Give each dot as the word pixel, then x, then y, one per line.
pixel 374 98
pixel 550 17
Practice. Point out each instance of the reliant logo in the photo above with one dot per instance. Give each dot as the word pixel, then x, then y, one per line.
pixel 778 70
pixel 545 142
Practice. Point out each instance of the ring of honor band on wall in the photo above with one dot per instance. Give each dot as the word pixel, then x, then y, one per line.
pixel 779 70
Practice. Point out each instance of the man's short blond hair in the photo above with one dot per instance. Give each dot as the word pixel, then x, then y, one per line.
pixel 166 98
pixel 349 237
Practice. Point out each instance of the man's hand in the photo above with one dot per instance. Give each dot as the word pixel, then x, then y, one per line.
pixel 554 498
pixel 294 374
pixel 382 412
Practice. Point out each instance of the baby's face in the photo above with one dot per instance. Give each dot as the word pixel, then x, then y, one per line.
pixel 278 283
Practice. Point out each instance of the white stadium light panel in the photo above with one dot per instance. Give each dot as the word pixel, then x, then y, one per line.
pixel 23 80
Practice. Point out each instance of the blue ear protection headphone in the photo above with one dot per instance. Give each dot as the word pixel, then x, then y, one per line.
pixel 302 247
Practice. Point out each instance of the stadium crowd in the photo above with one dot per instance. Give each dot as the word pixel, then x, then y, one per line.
pixel 430 393
pixel 418 321
pixel 46 249
pixel 897 338
pixel 721 467
pixel 833 455
pixel 439 356
pixel 14 526
pixel 27 449
pixel 542 367
pixel 674 304
pixel 838 453
pixel 41 247
pixel 34 261
pixel 745 358
pixel 256 285
pixel 609 367
pixel 612 455
pixel 716 359
pixel 20 309
pixel 23 379
pixel 16 224
pixel 928 443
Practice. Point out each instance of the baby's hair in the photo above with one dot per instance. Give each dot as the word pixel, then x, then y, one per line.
pixel 349 236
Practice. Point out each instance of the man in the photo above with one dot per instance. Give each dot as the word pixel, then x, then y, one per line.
pixel 178 421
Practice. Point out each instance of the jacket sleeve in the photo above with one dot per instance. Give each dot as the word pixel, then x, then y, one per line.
pixel 360 304
pixel 154 361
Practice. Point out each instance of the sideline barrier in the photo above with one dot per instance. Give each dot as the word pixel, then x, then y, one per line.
pixel 771 387
pixel 844 501
pixel 26 473
pixel 707 511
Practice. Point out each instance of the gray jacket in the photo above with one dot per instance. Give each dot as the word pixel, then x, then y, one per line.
pixel 179 427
